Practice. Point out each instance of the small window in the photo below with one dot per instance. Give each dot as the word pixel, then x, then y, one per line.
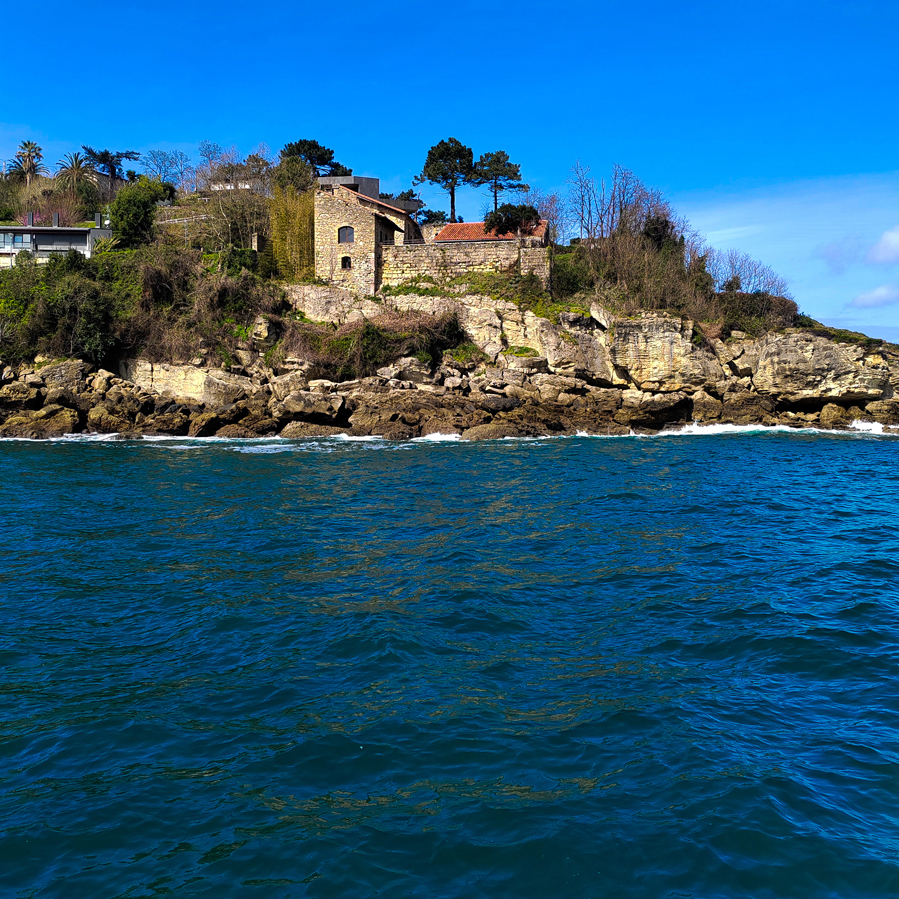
pixel 346 262
pixel 346 235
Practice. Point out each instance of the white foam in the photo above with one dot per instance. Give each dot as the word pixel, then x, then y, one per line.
pixel 867 427
pixel 437 438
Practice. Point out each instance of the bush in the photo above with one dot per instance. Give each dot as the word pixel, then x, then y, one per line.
pixel 133 211
pixel 570 275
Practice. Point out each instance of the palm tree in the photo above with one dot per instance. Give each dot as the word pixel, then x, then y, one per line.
pixel 28 160
pixel 74 170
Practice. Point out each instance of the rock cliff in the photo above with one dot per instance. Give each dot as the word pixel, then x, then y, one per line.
pixel 594 372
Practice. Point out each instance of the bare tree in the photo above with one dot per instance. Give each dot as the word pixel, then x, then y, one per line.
pixel 736 271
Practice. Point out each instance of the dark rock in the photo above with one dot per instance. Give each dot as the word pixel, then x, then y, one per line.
pixel 204 425
pixel 299 429
pixel 235 431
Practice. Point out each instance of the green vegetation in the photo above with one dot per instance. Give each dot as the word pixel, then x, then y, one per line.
pixel 509 219
pixel 467 354
pixel 133 212
pixel 450 164
pixel 523 351
pixel 160 301
pixel 360 348
pixel 498 171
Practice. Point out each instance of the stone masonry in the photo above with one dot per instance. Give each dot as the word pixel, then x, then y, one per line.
pixel 356 264
pixel 442 261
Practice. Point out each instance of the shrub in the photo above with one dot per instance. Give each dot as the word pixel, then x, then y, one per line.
pixel 360 348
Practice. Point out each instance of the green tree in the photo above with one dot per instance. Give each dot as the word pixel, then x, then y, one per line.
pixel 109 162
pixel 500 173
pixel 509 219
pixel 293 244
pixel 133 212
pixel 320 158
pixel 295 172
pixel 433 217
pixel 450 164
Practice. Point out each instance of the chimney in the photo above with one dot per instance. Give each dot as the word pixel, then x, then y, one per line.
pixel 55 219
pixel 30 220
pixel 98 220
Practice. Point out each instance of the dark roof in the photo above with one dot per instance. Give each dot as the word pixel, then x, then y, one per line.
pixel 48 228
pixel 369 199
pixel 475 231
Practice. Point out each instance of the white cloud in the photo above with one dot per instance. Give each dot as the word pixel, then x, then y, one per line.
pixel 886 250
pixel 841 254
pixel 885 295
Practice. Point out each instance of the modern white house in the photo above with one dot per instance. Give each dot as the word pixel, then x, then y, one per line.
pixel 44 241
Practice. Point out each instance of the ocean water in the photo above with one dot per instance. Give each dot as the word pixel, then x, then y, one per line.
pixel 585 667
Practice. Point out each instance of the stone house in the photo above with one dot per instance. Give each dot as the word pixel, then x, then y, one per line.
pixel 363 243
pixel 352 231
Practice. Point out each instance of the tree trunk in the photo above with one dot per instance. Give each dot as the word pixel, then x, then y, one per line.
pixel 452 193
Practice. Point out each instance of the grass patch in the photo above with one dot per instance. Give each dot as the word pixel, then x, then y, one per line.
pixel 523 351
pixel 467 354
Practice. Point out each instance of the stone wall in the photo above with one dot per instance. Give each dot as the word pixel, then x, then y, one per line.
pixel 443 261
pixel 332 212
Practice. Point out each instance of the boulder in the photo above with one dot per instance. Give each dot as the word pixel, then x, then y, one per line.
pixel 495 430
pixel 835 417
pixel 297 430
pixel 171 424
pixel 52 421
pixel 284 385
pixel 235 432
pixel 71 375
pixel 165 378
pixel 18 395
pixel 221 388
pixel 102 420
pixel 204 425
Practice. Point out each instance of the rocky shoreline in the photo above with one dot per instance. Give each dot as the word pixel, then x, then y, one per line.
pixel 595 374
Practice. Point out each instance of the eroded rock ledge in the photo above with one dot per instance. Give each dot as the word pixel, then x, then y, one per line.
pixel 595 373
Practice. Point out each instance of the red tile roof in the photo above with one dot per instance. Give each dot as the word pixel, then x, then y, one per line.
pixel 475 231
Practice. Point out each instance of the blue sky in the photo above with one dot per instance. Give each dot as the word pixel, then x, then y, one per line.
pixel 773 126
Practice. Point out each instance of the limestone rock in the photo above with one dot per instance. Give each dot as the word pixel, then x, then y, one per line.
pixel 797 367
pixel 657 351
pixel 102 420
pixel 288 383
pixel 705 407
pixel 835 417
pixel 71 374
pixel 164 378
pixel 493 431
pixel 884 411
pixel 173 424
pixel 49 422
pixel 18 395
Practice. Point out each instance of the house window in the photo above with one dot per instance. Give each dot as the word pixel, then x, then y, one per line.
pixel 346 235
pixel 346 262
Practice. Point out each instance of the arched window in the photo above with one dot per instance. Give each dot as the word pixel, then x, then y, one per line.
pixel 346 235
pixel 346 262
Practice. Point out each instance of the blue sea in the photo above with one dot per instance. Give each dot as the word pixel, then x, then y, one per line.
pixel 581 667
